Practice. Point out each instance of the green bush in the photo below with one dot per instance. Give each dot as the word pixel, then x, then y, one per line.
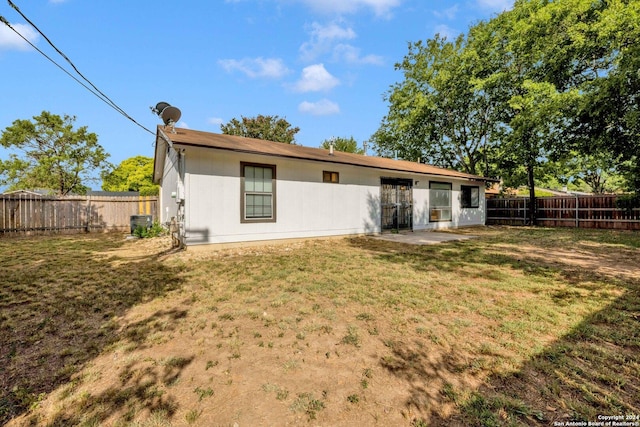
pixel 154 231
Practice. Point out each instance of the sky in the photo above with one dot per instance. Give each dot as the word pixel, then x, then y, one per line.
pixel 323 65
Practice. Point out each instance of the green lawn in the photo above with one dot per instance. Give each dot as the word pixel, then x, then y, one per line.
pixel 521 326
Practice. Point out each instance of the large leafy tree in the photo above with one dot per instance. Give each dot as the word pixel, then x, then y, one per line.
pixel 437 113
pixel 609 115
pixel 132 174
pixel 51 155
pixel 540 49
pixel 346 145
pixel 535 85
pixel 269 128
pixel 554 59
pixel 597 173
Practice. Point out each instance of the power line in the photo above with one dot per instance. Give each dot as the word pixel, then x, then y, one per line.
pixel 65 57
pixel 95 91
pixel 49 58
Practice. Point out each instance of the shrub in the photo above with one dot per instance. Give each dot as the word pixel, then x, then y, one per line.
pixel 154 231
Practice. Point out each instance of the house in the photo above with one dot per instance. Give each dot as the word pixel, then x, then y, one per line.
pixel 101 193
pixel 222 189
pixel 33 193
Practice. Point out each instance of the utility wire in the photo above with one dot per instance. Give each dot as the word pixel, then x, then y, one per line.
pixel 2 18
pixel 63 55
pixel 97 92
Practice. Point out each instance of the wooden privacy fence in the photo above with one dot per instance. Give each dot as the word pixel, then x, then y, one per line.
pixel 31 213
pixel 569 211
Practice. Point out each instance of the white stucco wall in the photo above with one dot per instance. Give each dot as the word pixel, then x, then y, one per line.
pixel 464 217
pixel 305 206
pixel 460 217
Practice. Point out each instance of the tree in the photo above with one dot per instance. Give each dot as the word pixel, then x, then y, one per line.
pixel 437 113
pixel 599 172
pixel 346 145
pixel 530 107
pixel 552 57
pixel 133 174
pixel 535 126
pixel 608 119
pixel 537 84
pixel 54 155
pixel 269 128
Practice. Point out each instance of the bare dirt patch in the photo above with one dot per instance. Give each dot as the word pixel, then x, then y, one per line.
pixel 607 257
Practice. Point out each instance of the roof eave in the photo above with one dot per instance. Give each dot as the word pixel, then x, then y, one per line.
pixel 160 155
pixel 468 177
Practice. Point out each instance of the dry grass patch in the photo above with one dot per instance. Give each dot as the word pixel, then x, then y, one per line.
pixel 509 328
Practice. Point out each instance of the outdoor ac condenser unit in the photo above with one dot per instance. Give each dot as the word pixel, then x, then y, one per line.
pixel 136 221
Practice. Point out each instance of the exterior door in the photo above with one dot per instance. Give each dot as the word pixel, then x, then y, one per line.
pixel 396 198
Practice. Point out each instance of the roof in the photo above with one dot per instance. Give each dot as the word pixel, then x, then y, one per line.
pixel 113 193
pixel 36 192
pixel 241 144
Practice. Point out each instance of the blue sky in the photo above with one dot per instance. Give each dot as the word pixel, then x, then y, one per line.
pixel 323 65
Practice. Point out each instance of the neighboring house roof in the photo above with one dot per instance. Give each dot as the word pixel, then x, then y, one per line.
pixel 37 192
pixel 277 149
pixel 113 193
pixel 493 191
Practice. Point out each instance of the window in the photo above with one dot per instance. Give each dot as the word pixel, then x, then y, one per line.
pixel 258 193
pixel 470 197
pixel 439 201
pixel 333 177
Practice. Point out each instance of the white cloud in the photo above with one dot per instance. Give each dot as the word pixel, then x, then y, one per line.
pixel 315 78
pixel 326 39
pixel 496 5
pixel 272 68
pixel 322 39
pixel 331 32
pixel 324 107
pixel 351 54
pixel 446 31
pixel 215 121
pixel 449 13
pixel 380 8
pixel 182 125
pixel 11 41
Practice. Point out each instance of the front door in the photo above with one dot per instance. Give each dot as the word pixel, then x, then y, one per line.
pixel 396 198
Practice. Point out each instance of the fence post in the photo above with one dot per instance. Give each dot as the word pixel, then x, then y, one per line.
pixel 577 212
pixel 87 212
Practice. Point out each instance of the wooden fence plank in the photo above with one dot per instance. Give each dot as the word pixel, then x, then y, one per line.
pixel 565 211
pixel 32 213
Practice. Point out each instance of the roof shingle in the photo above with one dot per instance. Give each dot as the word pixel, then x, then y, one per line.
pixel 258 146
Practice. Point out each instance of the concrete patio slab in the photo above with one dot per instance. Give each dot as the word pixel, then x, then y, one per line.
pixel 423 237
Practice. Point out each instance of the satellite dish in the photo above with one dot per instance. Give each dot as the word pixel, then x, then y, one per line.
pixel 169 115
pixel 161 106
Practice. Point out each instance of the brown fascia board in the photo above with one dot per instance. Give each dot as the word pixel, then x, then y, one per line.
pixel 159 156
pixel 241 144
